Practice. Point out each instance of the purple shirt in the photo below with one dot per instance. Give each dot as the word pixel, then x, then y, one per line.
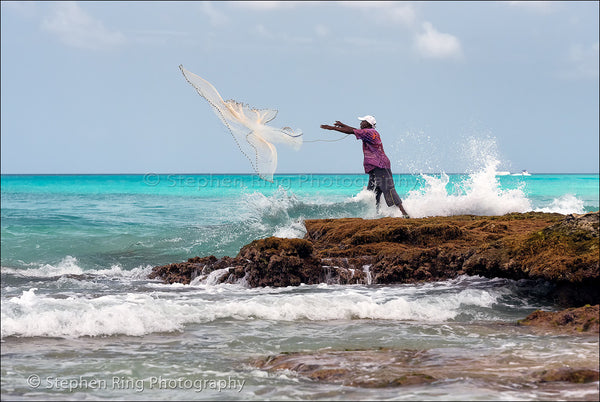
pixel 372 149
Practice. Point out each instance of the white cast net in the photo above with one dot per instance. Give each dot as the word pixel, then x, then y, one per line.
pixel 248 127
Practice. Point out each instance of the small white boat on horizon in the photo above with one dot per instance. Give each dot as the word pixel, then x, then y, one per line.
pixel 523 173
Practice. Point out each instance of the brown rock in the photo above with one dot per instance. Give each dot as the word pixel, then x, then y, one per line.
pixel 552 247
pixel 568 374
pixel 281 262
pixel 358 368
pixel 582 319
pixel 385 367
pixel 561 249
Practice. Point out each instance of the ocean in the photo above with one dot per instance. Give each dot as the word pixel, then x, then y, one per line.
pixel 80 319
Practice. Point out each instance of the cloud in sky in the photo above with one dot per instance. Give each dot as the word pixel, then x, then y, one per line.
pixel 428 42
pixel 584 60
pixel 74 27
pixel 269 5
pixel 321 30
pixel 398 12
pixel 542 7
pixel 437 45
pixel 215 16
pixel 390 11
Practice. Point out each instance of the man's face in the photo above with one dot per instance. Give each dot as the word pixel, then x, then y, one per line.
pixel 364 124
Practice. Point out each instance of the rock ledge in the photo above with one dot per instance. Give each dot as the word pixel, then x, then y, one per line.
pixel 563 250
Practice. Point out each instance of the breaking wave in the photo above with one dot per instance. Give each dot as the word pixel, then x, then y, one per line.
pixel 167 309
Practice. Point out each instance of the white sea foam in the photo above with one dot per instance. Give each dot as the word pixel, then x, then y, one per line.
pixel 130 314
pixel 295 230
pixel 69 265
pixel 270 209
pixel 211 279
pixel 367 199
pixel 479 194
pixel 282 213
pixel 116 271
pixel 272 213
pixel 566 204
pixel 137 314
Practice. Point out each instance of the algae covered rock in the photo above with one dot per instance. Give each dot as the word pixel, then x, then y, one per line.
pixel 568 374
pixel 581 319
pixel 280 262
pixel 265 262
pixel 563 250
pixel 380 368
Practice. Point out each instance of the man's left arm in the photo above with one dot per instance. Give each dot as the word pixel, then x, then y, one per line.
pixel 339 126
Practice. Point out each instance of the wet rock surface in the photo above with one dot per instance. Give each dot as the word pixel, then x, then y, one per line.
pixel 574 320
pixel 563 250
pixel 568 374
pixel 384 367
pixel 361 368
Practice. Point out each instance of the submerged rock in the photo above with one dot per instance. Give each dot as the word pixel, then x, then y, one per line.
pixel 387 367
pixel 582 319
pixel 563 250
pixel 357 368
pixel 568 374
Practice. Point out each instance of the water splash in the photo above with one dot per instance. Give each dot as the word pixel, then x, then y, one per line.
pixel 566 204
pixel 479 193
pixel 417 151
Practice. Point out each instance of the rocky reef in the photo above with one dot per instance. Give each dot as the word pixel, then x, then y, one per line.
pixel 571 320
pixel 563 250
pixel 383 367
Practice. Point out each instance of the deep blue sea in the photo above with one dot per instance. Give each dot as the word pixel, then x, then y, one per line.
pixel 80 319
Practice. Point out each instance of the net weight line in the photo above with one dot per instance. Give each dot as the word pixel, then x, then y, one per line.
pixel 338 139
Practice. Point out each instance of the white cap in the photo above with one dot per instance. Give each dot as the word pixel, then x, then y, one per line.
pixel 369 119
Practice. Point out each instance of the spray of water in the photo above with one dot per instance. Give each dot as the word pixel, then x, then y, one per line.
pixel 477 192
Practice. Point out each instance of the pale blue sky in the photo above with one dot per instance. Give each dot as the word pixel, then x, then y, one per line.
pixel 94 87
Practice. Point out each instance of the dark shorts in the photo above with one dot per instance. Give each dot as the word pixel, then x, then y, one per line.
pixel 382 182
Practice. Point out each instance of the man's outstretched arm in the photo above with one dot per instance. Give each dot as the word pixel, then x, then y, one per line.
pixel 339 126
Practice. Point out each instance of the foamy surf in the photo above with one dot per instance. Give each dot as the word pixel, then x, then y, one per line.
pixel 566 204
pixel 479 193
pixel 47 315
pixel 69 266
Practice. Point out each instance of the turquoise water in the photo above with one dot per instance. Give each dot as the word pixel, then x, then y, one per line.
pixel 132 220
pixel 77 305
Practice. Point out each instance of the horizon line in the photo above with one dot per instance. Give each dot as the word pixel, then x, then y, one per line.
pixel 254 174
